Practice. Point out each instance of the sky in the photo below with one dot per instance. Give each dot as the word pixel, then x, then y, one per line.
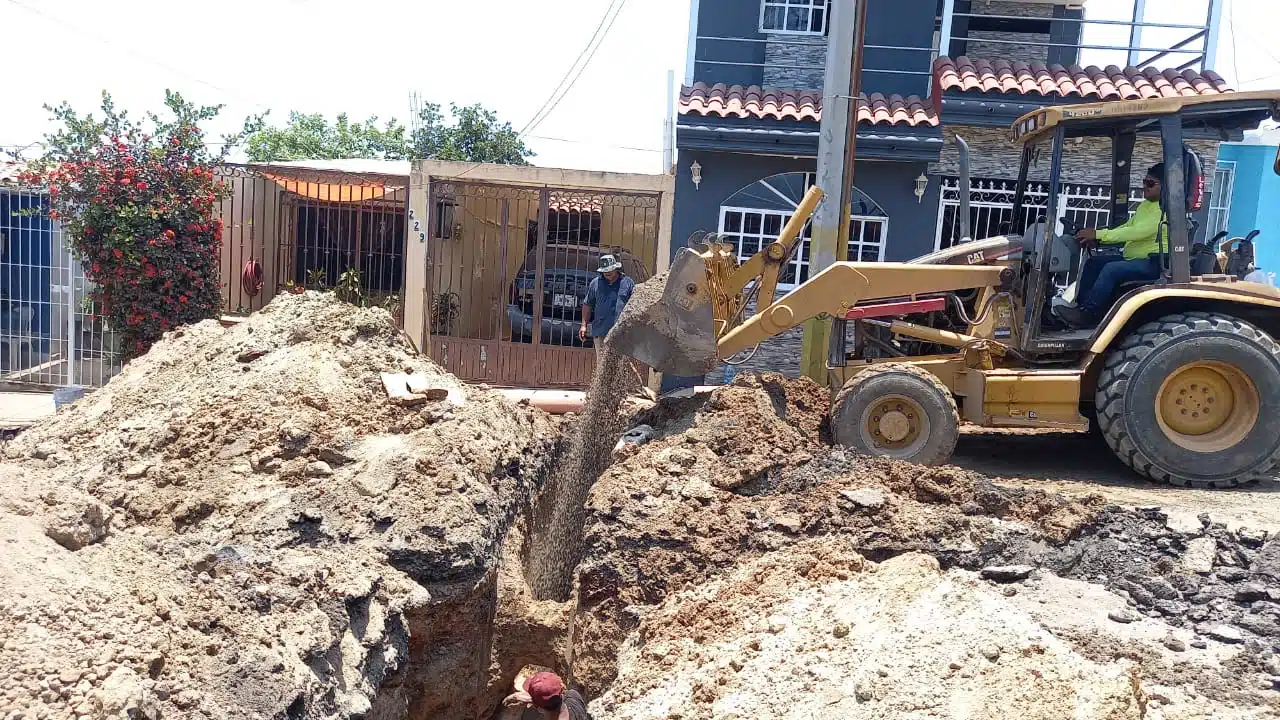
pixel 365 58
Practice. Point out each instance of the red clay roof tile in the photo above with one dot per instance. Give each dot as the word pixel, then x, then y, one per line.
pixel 722 100
pixel 1091 83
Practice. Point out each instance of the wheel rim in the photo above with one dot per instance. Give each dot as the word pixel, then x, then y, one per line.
pixel 1207 406
pixel 895 426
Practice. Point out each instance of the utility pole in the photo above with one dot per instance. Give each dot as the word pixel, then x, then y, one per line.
pixel 837 145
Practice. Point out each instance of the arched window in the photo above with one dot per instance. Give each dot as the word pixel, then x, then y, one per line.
pixel 754 216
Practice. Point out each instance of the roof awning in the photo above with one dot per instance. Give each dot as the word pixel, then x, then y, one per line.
pixel 333 192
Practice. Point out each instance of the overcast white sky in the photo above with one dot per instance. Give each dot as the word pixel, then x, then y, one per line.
pixel 364 58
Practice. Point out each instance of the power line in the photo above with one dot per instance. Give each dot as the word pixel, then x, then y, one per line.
pixel 597 38
pixel 583 67
pixel 551 101
pixel 597 144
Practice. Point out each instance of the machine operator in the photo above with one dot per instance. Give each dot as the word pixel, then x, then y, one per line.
pixel 1102 275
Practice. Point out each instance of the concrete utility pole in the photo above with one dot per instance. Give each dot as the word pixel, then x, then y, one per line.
pixel 836 153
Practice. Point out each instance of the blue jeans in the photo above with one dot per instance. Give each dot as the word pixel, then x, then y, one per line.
pixel 1102 276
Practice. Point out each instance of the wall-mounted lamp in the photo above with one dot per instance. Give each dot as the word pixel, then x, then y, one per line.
pixel 922 183
pixel 695 172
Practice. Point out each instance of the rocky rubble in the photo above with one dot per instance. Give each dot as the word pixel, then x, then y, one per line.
pixel 736 480
pixel 241 525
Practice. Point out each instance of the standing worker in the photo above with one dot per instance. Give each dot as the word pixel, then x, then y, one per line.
pixel 607 295
pixel 545 691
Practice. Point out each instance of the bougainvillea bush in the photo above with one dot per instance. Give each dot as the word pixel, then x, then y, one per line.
pixel 137 202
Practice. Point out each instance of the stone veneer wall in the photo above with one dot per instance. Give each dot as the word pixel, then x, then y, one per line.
pixel 992 155
pixel 812 57
pixel 1025 53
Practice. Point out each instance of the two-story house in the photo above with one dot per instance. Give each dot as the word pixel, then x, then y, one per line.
pixel 749 111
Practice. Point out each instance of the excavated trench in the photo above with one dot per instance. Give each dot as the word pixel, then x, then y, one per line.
pixel 251 546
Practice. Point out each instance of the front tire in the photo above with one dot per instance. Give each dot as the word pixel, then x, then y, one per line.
pixel 1191 400
pixel 897 410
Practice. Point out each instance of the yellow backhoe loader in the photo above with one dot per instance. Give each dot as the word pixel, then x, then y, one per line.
pixel 1182 375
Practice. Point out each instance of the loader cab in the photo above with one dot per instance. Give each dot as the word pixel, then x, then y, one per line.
pixel 1053 138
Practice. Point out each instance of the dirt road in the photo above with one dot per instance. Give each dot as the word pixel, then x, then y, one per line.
pixel 1079 464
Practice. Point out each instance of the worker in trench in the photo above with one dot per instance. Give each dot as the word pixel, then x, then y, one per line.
pixel 607 295
pixel 545 692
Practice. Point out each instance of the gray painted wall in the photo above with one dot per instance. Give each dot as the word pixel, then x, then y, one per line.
pixel 912 225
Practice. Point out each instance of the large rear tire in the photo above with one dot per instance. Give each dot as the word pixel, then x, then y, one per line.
pixel 897 410
pixel 1191 399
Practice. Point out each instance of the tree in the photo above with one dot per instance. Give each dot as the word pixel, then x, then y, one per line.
pixel 137 201
pixel 475 135
pixel 311 137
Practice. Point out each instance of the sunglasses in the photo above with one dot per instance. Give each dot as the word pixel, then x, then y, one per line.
pixel 1150 183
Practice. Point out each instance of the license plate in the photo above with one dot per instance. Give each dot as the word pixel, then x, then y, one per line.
pixel 565 301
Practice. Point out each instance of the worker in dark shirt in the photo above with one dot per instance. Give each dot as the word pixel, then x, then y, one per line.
pixel 607 296
pixel 546 692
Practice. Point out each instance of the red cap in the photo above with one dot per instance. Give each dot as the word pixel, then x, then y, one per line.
pixel 543 688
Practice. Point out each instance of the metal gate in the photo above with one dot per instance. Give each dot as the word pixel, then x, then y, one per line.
pixel 50 335
pixel 507 272
pixel 289 229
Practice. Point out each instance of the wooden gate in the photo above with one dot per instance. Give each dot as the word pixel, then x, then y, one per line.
pixel 507 269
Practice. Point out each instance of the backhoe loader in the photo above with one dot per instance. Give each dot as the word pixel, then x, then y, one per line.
pixel 1181 376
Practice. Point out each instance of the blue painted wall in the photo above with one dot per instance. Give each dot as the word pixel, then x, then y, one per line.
pixel 899 23
pixel 24 269
pixel 730 19
pixel 1255 199
pixel 890 23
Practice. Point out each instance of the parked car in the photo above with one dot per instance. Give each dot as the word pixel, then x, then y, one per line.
pixel 569 270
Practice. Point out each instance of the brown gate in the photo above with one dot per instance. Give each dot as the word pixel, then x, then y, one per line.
pixel 507 271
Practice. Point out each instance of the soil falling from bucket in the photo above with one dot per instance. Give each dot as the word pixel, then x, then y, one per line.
pixel 556 542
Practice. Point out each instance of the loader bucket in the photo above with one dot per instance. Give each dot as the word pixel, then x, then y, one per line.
pixel 674 332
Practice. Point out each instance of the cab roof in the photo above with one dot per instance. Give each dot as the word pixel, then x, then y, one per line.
pixel 1232 111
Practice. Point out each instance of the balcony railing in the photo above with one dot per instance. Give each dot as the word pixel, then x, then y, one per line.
pixel 1112 34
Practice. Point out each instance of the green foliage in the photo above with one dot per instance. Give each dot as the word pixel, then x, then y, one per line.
pixel 137 200
pixel 474 135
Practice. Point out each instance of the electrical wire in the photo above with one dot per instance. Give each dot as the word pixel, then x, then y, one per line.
pixel 597 39
pixel 589 52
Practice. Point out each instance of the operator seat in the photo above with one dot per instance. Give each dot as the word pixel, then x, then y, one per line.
pixel 1203 260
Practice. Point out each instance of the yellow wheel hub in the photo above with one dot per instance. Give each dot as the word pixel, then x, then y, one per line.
pixel 1207 406
pixel 895 422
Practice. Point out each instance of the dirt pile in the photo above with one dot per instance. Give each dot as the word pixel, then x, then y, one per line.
pixel 816 631
pixel 243 525
pixel 741 475
pixel 735 480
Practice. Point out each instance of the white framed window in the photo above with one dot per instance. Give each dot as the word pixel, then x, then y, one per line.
pixel 796 17
pixel 754 216
pixel 1224 180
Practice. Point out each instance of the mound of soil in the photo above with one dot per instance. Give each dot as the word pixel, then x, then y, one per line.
pixel 748 475
pixel 815 631
pixel 243 525
pixel 739 478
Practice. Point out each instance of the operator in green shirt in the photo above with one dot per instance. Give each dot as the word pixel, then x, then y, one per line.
pixel 1102 275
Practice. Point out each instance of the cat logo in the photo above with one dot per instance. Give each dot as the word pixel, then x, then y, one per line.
pixel 974 258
